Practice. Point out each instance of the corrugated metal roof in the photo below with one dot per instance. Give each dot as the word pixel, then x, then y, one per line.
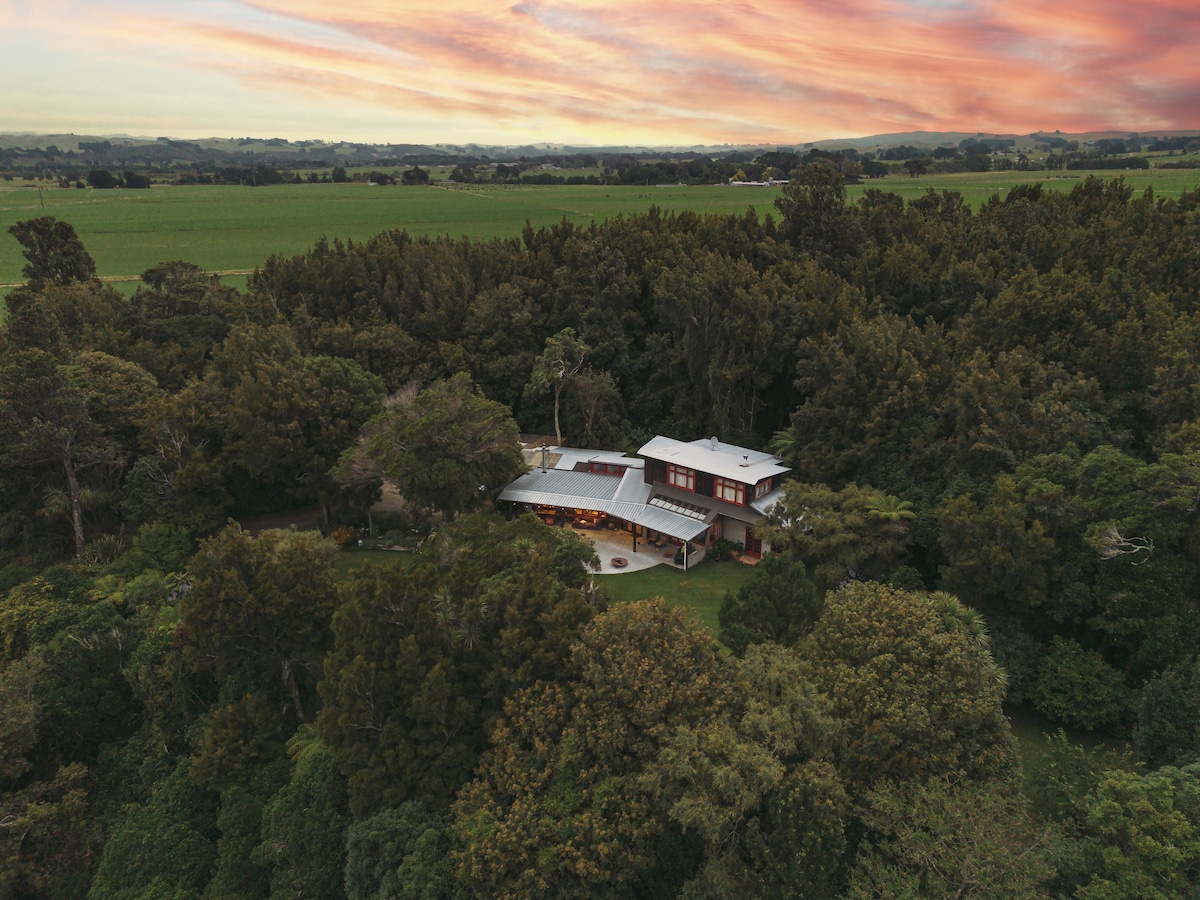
pixel 564 483
pixel 633 488
pixel 764 503
pixel 553 491
pixel 727 460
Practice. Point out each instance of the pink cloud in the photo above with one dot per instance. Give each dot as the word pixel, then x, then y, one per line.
pixel 777 70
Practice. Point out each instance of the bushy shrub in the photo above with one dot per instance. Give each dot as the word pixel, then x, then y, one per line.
pixel 722 549
pixel 1077 687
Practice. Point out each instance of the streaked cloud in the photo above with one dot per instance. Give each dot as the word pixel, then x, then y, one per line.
pixel 586 71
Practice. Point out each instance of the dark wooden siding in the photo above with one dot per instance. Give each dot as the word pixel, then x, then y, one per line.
pixel 656 470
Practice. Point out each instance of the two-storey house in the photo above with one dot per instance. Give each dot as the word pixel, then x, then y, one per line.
pixel 673 493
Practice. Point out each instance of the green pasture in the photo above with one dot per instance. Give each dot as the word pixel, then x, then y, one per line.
pixel 977 187
pixel 231 229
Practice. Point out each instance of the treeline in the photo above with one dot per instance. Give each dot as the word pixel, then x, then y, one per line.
pixel 991 419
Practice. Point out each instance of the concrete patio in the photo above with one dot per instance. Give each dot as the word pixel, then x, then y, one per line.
pixel 619 544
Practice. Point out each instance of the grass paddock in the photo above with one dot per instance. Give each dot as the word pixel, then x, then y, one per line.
pixel 231 229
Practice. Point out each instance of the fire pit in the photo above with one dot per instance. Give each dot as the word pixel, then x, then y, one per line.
pixel 619 562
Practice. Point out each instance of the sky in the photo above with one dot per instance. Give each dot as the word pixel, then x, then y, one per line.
pixel 586 72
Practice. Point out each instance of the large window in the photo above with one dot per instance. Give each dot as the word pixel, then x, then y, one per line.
pixel 678 476
pixel 729 491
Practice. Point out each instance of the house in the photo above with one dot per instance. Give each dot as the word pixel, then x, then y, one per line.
pixel 673 493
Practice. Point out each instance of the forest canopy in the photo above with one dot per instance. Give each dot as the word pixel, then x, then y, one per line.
pixel 992 420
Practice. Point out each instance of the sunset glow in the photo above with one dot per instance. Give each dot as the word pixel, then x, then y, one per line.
pixel 585 72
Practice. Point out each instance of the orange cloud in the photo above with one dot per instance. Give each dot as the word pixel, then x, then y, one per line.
pixel 749 71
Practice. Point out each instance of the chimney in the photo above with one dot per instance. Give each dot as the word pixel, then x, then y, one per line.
pixel 545 451
pixel 745 459
pixel 713 442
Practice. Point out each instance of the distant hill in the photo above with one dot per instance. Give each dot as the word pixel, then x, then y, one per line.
pixel 114 150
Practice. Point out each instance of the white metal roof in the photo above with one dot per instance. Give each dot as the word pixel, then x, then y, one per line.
pixel 712 456
pixel 603 493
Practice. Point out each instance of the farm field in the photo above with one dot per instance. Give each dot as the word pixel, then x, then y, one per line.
pixel 230 228
pixel 233 229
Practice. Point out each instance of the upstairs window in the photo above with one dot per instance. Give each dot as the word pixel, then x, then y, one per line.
pixel 678 476
pixel 762 488
pixel 729 491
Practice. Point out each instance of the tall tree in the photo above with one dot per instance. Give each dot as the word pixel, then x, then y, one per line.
pixel 948 837
pixel 44 422
pixel 560 362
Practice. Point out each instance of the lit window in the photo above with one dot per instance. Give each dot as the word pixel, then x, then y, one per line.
pixel 729 491
pixel 678 476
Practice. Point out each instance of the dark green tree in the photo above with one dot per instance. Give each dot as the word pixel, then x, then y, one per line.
pixel 446 448
pixel 53 251
pixel 303 825
pixel 267 598
pixel 1168 726
pixel 560 804
pixel 1077 687
pixel 401 852
pixel 561 362
pixel 778 603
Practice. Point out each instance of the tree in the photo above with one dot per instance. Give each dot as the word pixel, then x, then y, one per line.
pixel 44 421
pixel 303 825
pixel 1078 687
pixel 560 805
pixel 840 534
pixel 164 848
pixel 53 251
pixel 778 603
pixel 755 782
pixel 48 839
pixel 1148 826
pixel 262 598
pixel 947 837
pixel 446 448
pixel 815 215
pixel 402 852
pixel 996 552
pixel 424 656
pixel 561 361
pixel 415 175
pixel 915 698
pixel 1168 729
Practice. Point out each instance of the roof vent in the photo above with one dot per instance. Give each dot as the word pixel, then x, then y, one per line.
pixel 745 459
pixel 713 442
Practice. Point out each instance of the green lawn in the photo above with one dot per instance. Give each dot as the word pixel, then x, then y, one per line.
pixel 700 590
